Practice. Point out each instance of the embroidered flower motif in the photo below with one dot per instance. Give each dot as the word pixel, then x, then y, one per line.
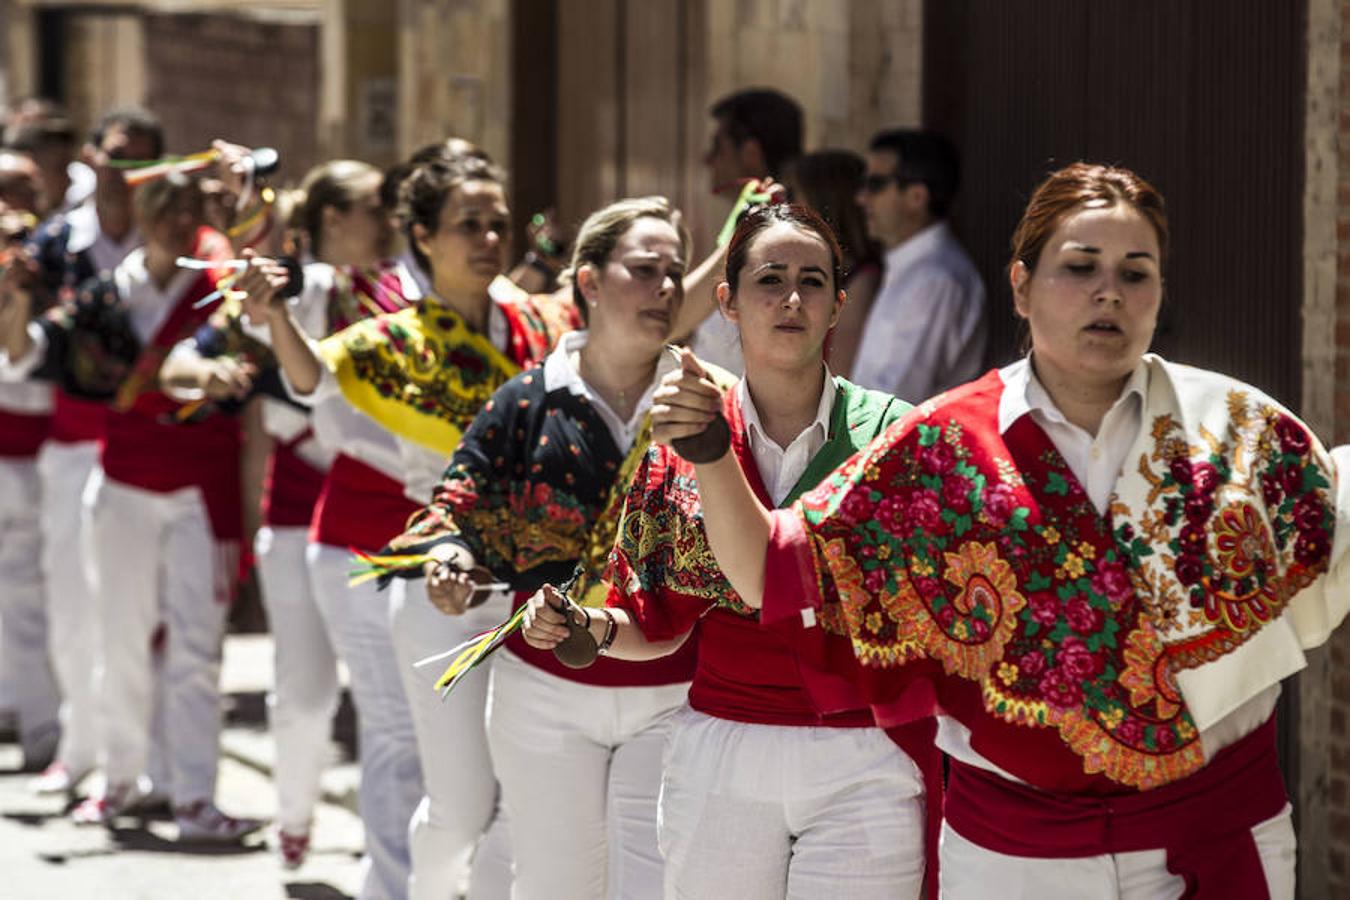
pixel 1311 548
pixel 938 458
pixel 1112 582
pixel 1076 659
pixel 924 510
pixel 1061 689
pixel 1293 438
pixel 1082 617
pixel 1241 538
pixel 999 501
pixel 985 604
pixel 857 506
pixel 1147 677
pixel 1007 673
pixel 956 493
pixel 1072 567
pixel 1045 608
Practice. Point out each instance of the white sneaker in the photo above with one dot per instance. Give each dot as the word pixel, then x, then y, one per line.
pixel 203 822
pixel 115 800
pixel 56 779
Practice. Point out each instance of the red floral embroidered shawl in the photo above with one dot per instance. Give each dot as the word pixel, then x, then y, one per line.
pixel 1084 652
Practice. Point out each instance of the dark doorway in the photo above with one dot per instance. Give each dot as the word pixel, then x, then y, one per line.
pixel 1203 98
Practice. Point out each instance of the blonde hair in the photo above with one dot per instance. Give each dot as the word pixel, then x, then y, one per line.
pixel 603 229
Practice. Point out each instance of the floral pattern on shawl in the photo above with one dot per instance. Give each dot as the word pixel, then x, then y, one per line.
pixel 944 542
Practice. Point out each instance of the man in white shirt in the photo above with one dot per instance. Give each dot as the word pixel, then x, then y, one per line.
pixel 926 330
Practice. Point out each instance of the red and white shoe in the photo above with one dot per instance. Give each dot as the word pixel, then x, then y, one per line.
pixel 294 849
pixel 56 779
pixel 115 800
pixel 203 822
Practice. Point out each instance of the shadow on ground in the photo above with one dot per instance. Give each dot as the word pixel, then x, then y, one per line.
pixel 314 890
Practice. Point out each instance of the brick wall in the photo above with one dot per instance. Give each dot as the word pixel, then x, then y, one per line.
pixel 1337 783
pixel 245 80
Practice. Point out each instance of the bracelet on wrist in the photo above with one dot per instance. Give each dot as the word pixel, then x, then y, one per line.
pixel 611 632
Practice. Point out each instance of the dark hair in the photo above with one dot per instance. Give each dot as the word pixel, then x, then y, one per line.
pixel 446 150
pixel 424 193
pixel 136 122
pixel 927 158
pixel 771 118
pixel 334 184
pixel 828 183
pixel 441 151
pixel 604 228
pixel 1079 186
pixel 34 136
pixel 760 218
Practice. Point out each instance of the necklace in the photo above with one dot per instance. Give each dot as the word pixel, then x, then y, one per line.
pixel 620 394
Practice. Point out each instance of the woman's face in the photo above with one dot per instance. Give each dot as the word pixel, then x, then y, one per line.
pixel 637 293
pixel 175 229
pixel 360 235
pixel 1092 303
pixel 785 301
pixel 469 246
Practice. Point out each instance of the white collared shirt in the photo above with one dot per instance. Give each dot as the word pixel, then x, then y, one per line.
pixel 560 371
pixel 780 468
pixel 1095 461
pixel 925 332
pixel 87 236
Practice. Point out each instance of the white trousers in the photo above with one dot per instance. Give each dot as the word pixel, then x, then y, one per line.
pixel 580 771
pixel 461 789
pixel 970 872
pixel 305 694
pixel 24 668
pixel 391 778
pixel 154 559
pixel 763 812
pixel 72 616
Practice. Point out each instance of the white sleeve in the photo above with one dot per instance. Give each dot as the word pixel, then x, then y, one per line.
pixel 20 369
pixel 422 470
pixel 903 338
pixel 326 389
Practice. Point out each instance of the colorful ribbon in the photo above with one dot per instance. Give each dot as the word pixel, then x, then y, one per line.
pixel 751 195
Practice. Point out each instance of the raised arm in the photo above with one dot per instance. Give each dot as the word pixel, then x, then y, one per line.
pixel 265 306
pixel 16 307
pixel 700 294
pixel 737 523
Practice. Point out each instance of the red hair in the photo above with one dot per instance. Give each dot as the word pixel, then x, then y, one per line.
pixel 1078 186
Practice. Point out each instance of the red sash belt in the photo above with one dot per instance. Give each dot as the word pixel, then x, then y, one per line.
pixel 21 435
pixel 291 486
pixel 359 507
pixel 145 448
pixel 1203 822
pixel 76 421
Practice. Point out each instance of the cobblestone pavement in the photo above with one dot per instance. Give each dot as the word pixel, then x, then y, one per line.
pixel 43 855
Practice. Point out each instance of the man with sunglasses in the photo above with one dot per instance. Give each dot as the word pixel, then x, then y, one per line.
pixel 926 330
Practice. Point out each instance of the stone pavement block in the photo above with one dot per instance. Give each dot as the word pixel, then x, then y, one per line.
pixel 43 856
